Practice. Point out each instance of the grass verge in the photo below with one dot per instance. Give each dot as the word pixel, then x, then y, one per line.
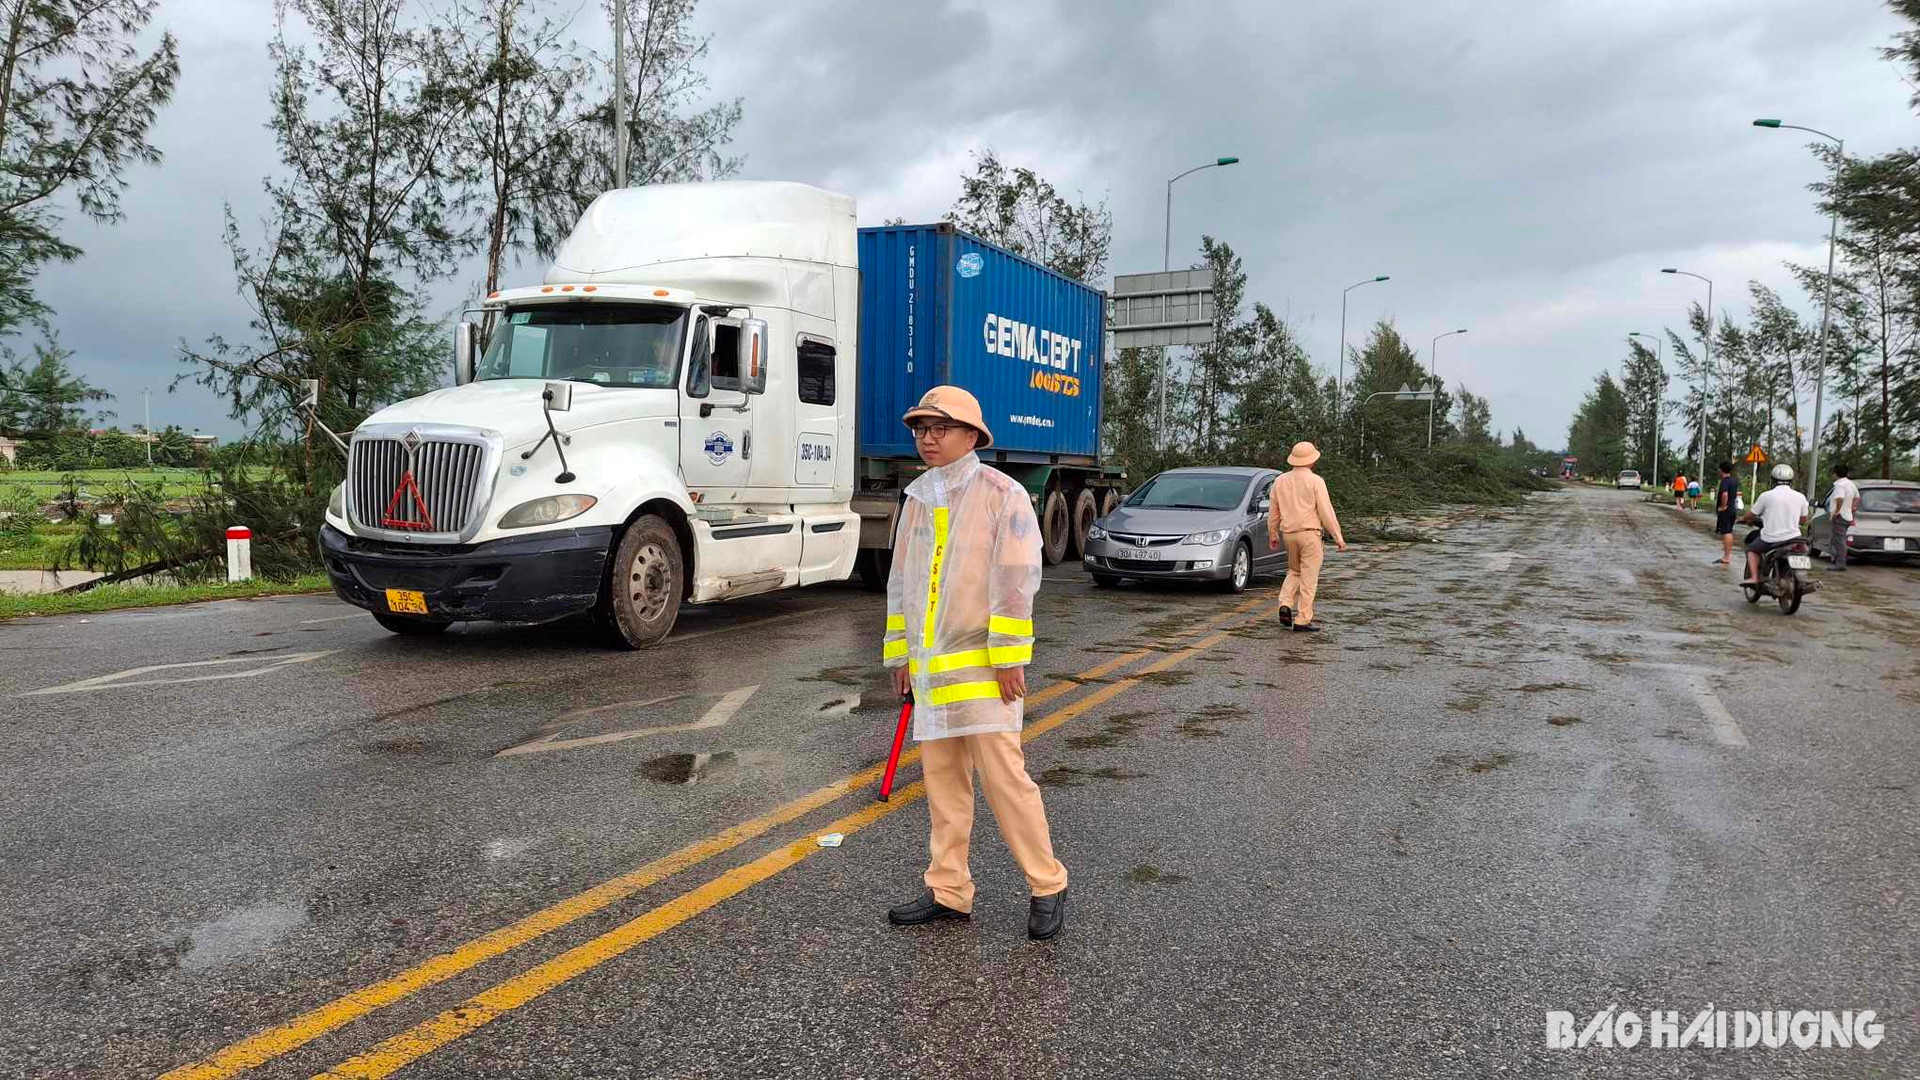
pixel 114 597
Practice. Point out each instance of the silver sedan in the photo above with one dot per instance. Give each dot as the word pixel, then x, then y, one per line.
pixel 1205 524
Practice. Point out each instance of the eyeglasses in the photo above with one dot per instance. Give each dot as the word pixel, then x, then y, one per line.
pixel 934 431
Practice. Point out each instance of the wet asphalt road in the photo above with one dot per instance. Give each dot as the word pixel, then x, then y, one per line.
pixel 1552 761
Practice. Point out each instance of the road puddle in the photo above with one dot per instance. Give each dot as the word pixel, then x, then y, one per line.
pixel 688 768
pixel 240 933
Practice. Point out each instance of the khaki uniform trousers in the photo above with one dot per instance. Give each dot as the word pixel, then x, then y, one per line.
pixel 948 767
pixel 1304 555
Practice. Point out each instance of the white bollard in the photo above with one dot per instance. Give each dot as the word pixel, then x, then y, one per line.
pixel 239 554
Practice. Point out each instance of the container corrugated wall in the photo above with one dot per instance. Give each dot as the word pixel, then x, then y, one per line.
pixel 938 305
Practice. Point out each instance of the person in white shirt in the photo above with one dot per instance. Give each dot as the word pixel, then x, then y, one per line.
pixel 1780 512
pixel 1842 503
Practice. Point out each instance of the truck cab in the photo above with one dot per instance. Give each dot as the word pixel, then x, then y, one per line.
pixel 668 417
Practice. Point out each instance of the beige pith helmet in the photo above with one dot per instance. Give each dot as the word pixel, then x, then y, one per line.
pixel 951 403
pixel 1303 454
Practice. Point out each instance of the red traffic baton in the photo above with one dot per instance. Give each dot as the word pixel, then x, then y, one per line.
pixel 899 740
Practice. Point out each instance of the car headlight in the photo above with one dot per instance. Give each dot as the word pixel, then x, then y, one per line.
pixel 1215 537
pixel 337 502
pixel 547 511
pixel 1095 532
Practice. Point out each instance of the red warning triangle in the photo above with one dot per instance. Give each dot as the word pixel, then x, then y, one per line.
pixel 418 517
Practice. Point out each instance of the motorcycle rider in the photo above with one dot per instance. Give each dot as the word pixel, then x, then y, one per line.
pixel 1780 512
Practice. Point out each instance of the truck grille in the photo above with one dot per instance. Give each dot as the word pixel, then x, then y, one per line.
pixel 445 493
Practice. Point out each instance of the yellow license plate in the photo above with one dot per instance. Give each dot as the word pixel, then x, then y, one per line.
pixel 406 600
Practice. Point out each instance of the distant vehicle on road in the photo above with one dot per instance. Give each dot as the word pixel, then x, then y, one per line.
pixel 1887 523
pixel 1206 524
pixel 1627 479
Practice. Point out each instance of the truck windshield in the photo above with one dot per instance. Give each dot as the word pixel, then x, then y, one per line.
pixel 1191 491
pixel 635 345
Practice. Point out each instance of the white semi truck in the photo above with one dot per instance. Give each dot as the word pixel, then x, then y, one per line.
pixel 677 414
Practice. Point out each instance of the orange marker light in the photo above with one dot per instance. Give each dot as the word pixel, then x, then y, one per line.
pixel 493 294
pixel 566 288
pixel 660 292
pixel 588 288
pixel 546 288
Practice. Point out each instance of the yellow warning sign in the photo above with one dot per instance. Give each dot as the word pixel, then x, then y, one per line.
pixel 1755 456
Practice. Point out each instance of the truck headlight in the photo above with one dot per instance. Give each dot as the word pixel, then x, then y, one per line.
pixel 337 502
pixel 1095 532
pixel 547 511
pixel 1214 537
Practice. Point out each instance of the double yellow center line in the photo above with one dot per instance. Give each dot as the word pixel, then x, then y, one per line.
pixel 475 1012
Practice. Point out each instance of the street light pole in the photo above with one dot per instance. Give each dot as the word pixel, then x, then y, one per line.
pixel 1433 370
pixel 1826 298
pixel 1340 379
pixel 1166 264
pixel 619 94
pixel 1660 349
pixel 1706 370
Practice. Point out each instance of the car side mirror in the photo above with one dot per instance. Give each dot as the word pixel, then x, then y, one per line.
pixel 463 359
pixel 1262 505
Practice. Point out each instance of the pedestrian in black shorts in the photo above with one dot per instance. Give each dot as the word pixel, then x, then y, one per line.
pixel 1723 516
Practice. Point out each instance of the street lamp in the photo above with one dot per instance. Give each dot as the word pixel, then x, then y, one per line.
pixel 1339 380
pixel 1660 349
pixel 1826 299
pixel 1166 264
pixel 1433 369
pixel 1706 369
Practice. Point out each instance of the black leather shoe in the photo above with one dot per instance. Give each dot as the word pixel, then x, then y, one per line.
pixel 922 910
pixel 1286 615
pixel 1046 916
pixel 1305 628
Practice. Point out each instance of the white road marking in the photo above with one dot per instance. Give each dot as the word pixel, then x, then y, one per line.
pixel 721 712
pixel 1499 561
pixel 735 628
pixel 1726 730
pixel 129 677
pixel 336 618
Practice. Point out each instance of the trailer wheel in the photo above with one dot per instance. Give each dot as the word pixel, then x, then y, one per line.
pixel 1085 509
pixel 644 585
pixel 1054 527
pixel 873 565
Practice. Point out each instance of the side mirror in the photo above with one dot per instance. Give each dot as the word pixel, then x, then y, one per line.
pixel 753 356
pixel 463 358
pixel 1262 505
pixel 558 396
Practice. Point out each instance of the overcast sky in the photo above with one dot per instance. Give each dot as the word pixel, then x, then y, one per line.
pixel 1522 168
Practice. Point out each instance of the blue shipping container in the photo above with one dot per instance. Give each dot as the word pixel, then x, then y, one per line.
pixel 940 306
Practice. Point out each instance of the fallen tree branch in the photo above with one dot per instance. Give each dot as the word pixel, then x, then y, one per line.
pixel 162 566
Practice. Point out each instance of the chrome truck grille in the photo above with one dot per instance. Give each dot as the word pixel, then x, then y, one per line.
pixel 418 484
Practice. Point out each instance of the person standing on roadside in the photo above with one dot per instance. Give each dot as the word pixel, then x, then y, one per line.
pixel 966 566
pixel 1842 503
pixel 1693 494
pixel 1299 510
pixel 1723 513
pixel 1680 491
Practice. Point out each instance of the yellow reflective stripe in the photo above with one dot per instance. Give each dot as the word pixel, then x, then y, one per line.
pixel 966 691
pixel 956 660
pixel 1010 654
pixel 913 666
pixel 893 650
pixel 1000 624
pixel 933 571
pixel 896 622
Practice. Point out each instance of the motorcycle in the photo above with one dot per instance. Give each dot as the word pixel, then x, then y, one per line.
pixel 1783 574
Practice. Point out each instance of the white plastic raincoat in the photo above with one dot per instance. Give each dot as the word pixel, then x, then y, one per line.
pixel 966 566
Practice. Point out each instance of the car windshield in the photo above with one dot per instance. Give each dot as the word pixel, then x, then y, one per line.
pixel 1190 491
pixel 1890 500
pixel 630 345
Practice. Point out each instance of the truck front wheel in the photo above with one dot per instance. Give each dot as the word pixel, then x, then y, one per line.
pixel 644 585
